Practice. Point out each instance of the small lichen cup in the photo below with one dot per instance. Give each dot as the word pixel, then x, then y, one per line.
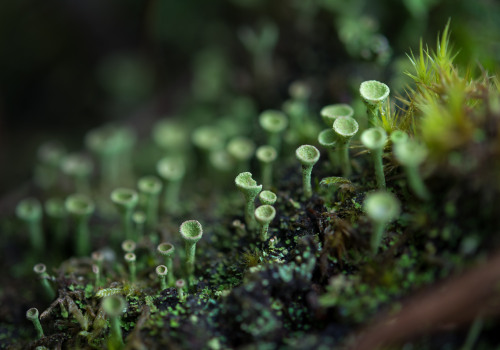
pixel 191 232
pixel 250 190
pixel 125 201
pixel 308 156
pixel 381 207
pixel 411 154
pixel 150 188
pixel 172 170
pixel 264 214
pixel 328 140
pixel 267 197
pixel 274 122
pixel 30 212
pixel 375 139
pixel 345 128
pixel 80 207
pixel 374 94
pixel 266 155
pixel 331 112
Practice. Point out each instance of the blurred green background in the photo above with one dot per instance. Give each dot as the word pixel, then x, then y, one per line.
pixel 70 65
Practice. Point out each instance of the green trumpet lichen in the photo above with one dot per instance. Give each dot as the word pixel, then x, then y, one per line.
pixel 57 216
pixel 374 94
pixel 398 136
pixel 375 139
pixel 208 138
pixel 381 207
pixel 50 155
pixel 138 218
pixel 250 190
pixel 345 128
pixel 161 272
pixel 130 259
pixel 191 232
pixel 128 246
pixel 125 201
pixel 308 156
pixel 241 149
pixel 331 112
pixel 29 211
pixel 267 197
pixel 266 155
pixel 180 285
pixel 32 315
pixel 411 154
pixel 80 207
pixel 114 306
pixel 167 250
pixel 79 168
pixel 328 139
pixel 264 214
pixel 150 189
pixel 112 145
pixel 171 169
pixel 41 271
pixel 171 136
pixel 274 122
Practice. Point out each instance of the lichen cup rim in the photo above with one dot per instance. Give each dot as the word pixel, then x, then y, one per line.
pixel 273 121
pixel 374 91
pixel 265 213
pixel 381 206
pixel 191 230
pixel 307 154
pixel 374 138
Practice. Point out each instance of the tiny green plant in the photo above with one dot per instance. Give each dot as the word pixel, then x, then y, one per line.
pixel 150 188
pixel 267 197
pixel 81 207
pixel 32 315
pixel 114 306
pixel 161 272
pixel 381 207
pixel 241 149
pixel 250 190
pixel 125 201
pixel 29 211
pixel 331 112
pixel 375 139
pixel 266 155
pixel 191 232
pixel 345 128
pixel 171 169
pixel 41 271
pixel 167 250
pixel 130 258
pixel 411 154
pixel 374 94
pixel 308 156
pixel 274 122
pixel 264 214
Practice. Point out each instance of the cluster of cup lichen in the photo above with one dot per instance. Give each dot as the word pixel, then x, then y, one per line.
pixel 94 198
